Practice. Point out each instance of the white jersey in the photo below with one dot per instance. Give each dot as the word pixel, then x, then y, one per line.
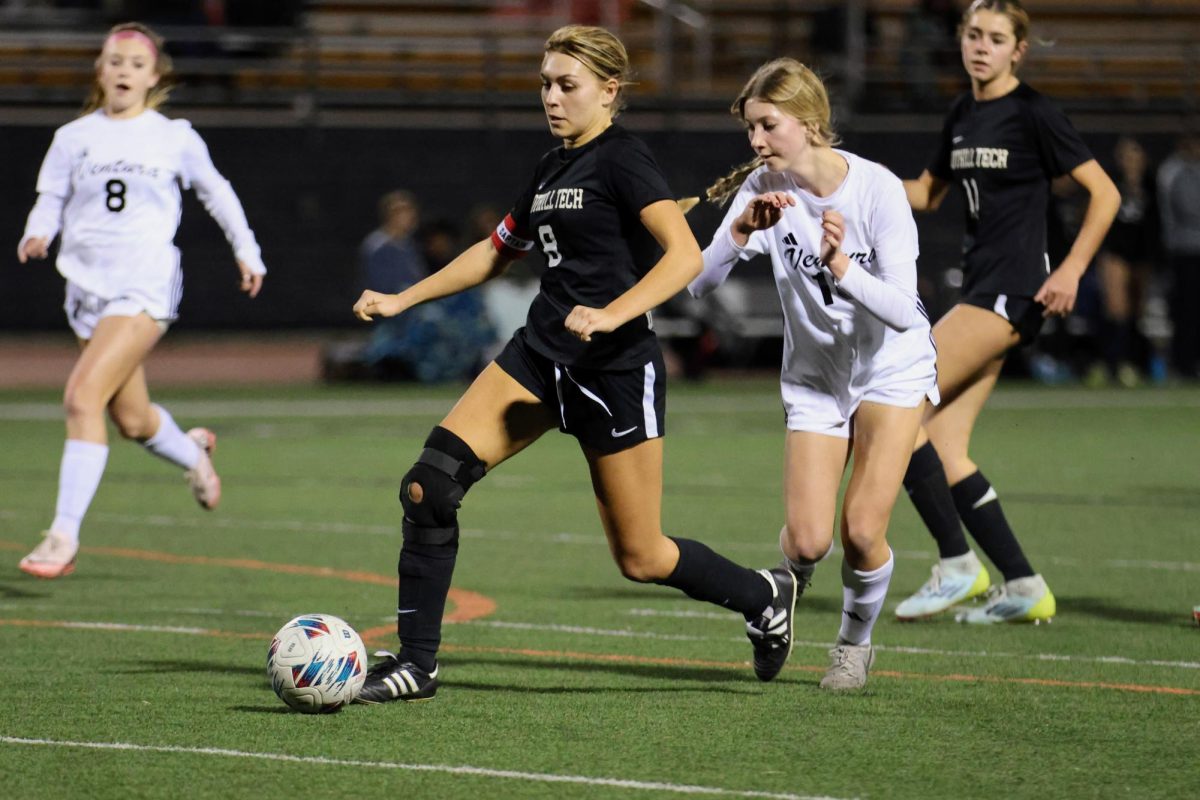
pixel 849 338
pixel 112 186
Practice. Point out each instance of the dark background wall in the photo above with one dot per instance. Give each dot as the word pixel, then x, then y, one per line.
pixel 310 195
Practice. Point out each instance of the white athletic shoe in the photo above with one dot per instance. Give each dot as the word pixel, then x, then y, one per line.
pixel 953 581
pixel 849 667
pixel 206 485
pixel 1020 600
pixel 54 557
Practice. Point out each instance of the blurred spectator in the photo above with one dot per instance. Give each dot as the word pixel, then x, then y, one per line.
pixel 1124 267
pixel 442 340
pixel 1065 346
pixel 1179 211
pixel 390 257
pixel 438 244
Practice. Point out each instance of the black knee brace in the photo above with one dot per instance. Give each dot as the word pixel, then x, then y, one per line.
pixel 445 470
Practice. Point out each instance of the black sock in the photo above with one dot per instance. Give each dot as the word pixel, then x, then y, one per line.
pixel 426 560
pixel 425 571
pixel 702 574
pixel 925 482
pixel 980 511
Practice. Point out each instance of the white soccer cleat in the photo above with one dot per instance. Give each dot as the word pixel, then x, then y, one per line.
pixel 953 581
pixel 1019 600
pixel 54 557
pixel 206 485
pixel 849 666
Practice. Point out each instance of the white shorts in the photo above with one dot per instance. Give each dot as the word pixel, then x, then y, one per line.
pixel 814 410
pixel 85 310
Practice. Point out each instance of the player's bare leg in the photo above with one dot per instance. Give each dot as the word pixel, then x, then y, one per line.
pixel 116 349
pixel 972 343
pixel 883 437
pixel 812 474
pixel 1023 595
pixel 628 489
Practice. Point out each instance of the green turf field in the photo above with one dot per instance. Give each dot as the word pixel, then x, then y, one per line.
pixel 142 674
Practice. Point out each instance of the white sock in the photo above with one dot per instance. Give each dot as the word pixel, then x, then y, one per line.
pixel 862 600
pixel 78 476
pixel 171 443
pixel 968 562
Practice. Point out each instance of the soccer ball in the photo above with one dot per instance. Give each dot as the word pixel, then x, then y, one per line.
pixel 317 663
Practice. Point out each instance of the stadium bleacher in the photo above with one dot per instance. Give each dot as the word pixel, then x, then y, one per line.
pixel 1123 55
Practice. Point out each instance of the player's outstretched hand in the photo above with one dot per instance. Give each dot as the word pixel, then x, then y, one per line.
pixel 584 321
pixel 33 247
pixel 1058 293
pixel 251 283
pixel 377 304
pixel 763 211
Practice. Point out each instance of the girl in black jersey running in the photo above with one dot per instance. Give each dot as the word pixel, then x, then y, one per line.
pixel 1002 143
pixel 586 362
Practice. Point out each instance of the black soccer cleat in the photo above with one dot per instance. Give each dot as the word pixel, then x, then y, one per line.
pixel 771 631
pixel 393 679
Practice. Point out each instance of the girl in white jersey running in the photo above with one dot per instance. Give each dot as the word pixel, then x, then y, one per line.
pixel 858 360
pixel 110 184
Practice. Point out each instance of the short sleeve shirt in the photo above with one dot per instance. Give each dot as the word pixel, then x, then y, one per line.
pixel 1002 154
pixel 582 209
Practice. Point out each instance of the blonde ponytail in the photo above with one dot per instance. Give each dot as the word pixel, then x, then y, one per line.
pixel 725 188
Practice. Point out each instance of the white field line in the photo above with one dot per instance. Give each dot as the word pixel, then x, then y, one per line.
pixel 577 630
pixel 561 537
pixel 766 401
pixel 449 769
pixel 925 651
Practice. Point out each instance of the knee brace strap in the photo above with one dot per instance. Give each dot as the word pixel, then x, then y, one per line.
pixel 445 470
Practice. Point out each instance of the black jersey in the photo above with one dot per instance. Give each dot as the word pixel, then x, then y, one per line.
pixel 1134 232
pixel 582 209
pixel 1003 153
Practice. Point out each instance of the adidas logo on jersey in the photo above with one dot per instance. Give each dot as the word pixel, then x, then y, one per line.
pixel 796 256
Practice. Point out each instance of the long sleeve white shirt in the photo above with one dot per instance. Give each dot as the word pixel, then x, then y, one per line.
pixel 111 187
pixel 847 331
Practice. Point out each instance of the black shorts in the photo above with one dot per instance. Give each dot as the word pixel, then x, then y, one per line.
pixel 606 410
pixel 1022 313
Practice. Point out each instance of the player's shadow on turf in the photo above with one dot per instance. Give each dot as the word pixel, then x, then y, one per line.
pixel 636 592
pixel 508 688
pixel 279 709
pixel 1104 608
pixel 21 590
pixel 206 667
pixel 664 672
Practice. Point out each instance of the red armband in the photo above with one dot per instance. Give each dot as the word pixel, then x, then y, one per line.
pixel 508 242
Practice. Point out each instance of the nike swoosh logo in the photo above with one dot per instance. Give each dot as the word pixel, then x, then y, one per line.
pixel 988 497
pixel 406 610
pixel 956 140
pixel 618 434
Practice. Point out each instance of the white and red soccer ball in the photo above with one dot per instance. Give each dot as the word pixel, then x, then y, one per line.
pixel 317 663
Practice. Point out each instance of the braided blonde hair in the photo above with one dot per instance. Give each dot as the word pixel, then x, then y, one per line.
pixel 795 90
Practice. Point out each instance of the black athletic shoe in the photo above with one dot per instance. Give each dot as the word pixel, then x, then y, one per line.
pixel 771 631
pixel 392 679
